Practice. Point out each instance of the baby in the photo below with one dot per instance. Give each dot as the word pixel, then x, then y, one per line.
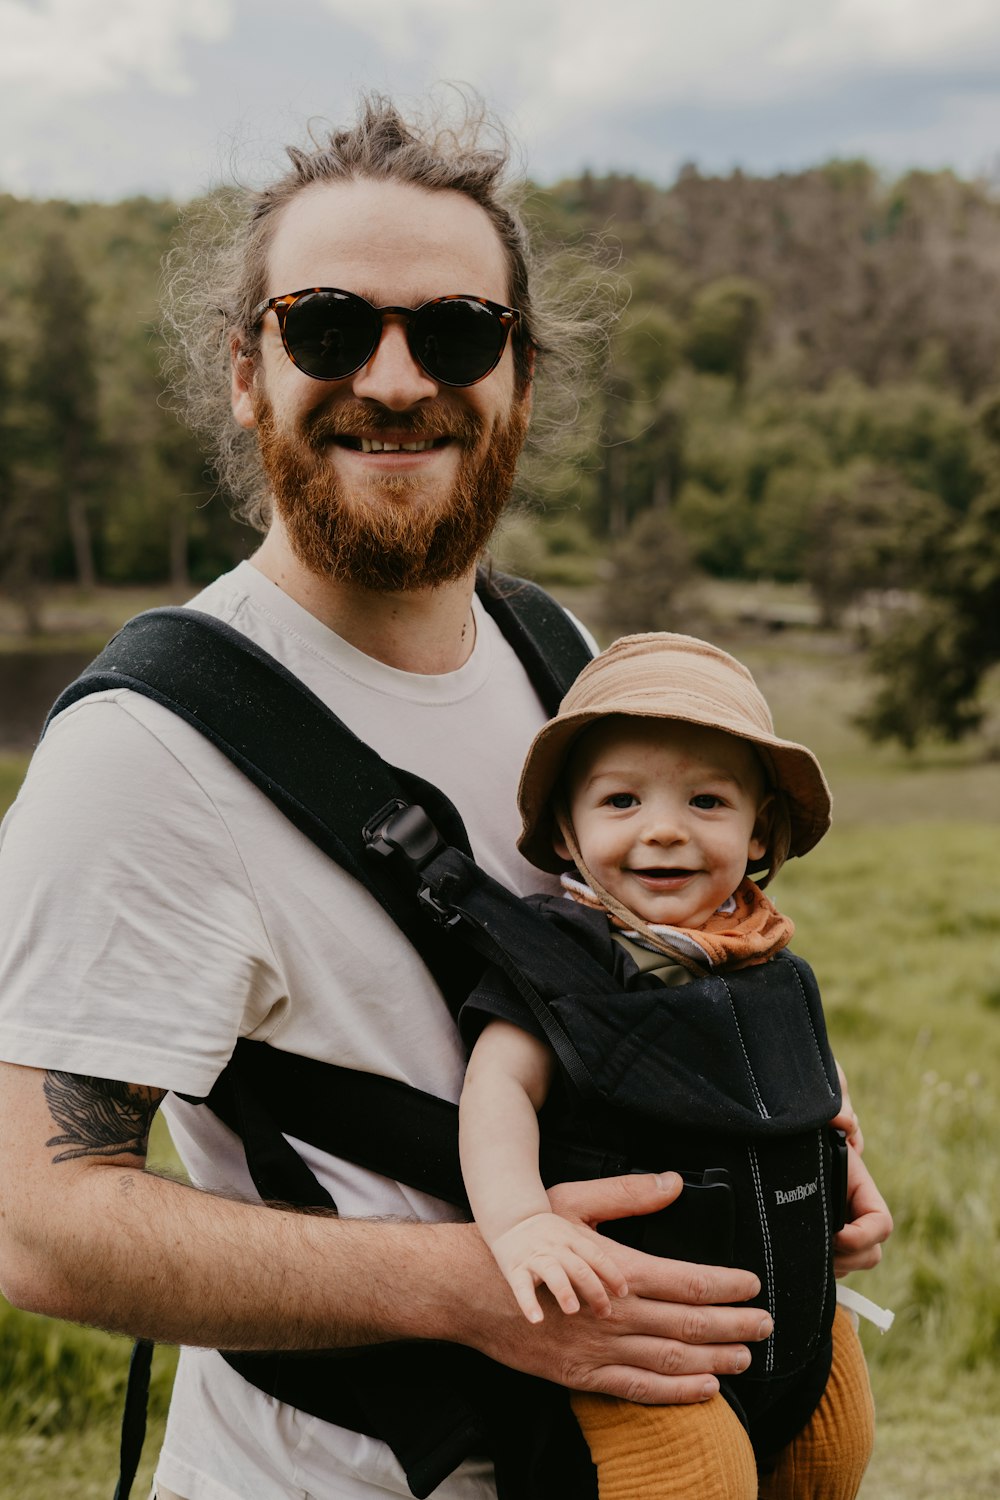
pixel 655 791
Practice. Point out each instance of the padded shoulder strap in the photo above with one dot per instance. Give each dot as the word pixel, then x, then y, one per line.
pixel 548 644
pixel 284 738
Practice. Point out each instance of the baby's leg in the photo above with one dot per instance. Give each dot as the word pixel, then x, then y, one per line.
pixel 667 1452
pixel 829 1457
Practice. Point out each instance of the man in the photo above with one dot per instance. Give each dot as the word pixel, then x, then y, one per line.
pixel 155 907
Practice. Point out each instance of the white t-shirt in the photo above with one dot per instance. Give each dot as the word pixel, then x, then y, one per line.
pixel 155 906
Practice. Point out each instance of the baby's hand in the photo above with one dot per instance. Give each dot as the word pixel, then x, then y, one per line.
pixel 545 1250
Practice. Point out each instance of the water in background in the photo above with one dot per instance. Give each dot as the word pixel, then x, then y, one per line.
pixel 30 682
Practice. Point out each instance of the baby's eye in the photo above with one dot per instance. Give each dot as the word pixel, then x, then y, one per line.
pixel 706 801
pixel 622 800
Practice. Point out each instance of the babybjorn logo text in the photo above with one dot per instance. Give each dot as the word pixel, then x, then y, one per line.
pixel 796 1194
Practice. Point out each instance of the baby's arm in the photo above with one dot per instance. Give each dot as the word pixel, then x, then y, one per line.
pixel 505 1086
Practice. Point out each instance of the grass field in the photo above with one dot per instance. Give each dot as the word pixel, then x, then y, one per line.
pixel 898 912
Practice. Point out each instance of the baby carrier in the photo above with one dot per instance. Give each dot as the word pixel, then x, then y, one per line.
pixel 727 1078
pixel 437 1404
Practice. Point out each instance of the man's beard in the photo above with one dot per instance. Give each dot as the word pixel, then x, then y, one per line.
pixel 386 535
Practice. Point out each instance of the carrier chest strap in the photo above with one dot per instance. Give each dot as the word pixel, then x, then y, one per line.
pixel 375 1122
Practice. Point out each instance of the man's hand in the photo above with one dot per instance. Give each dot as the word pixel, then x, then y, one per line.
pixel 664 1343
pixel 847 1119
pixel 858 1246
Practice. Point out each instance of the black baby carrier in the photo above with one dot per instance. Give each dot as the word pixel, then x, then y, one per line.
pixel 761 1203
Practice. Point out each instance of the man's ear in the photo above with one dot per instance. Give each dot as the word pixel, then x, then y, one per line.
pixel 760 837
pixel 525 389
pixel 243 370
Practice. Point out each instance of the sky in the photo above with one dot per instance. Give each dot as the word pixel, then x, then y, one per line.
pixel 103 99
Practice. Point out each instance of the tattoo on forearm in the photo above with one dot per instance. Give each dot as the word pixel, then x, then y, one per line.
pixel 98 1116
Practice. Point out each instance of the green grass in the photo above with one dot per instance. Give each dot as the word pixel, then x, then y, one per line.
pixel 61 1394
pixel 901 925
pixel 897 912
pixel 12 769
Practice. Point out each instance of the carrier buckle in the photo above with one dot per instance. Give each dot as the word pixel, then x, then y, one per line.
pixel 402 833
pixel 444 916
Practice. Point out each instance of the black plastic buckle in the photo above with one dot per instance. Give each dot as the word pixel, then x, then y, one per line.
pixel 402 833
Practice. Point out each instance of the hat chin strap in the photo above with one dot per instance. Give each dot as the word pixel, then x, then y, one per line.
pixel 611 903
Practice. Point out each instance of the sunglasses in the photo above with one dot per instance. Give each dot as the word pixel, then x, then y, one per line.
pixel 330 334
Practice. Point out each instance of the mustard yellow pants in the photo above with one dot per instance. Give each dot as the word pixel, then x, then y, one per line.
pixel 703 1453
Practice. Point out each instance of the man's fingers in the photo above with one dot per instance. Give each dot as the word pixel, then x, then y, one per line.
pixel 646 1389
pixel 607 1198
pixel 858 1246
pixel 681 1281
pixel 653 1371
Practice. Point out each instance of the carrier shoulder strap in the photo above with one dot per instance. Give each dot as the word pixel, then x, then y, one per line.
pixel 284 738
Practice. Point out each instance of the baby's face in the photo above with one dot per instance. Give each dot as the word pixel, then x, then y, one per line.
pixel 666 815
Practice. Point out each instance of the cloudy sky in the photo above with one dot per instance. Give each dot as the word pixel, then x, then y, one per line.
pixel 104 98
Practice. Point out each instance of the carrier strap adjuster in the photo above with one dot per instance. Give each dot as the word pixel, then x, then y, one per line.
pixel 403 834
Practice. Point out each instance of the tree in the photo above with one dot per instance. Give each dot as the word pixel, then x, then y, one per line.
pixel 22 519
pixel 726 318
pixel 652 583
pixel 934 658
pixel 61 387
pixel 869 532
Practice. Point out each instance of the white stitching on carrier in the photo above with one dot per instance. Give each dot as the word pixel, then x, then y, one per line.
pixel 761 1109
pixel 827 1237
pixel 768 1261
pixel 812 1028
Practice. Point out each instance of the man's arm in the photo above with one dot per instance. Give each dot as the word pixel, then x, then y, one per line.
pixel 87 1234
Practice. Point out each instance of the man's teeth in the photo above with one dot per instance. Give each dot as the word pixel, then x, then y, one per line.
pixel 372 445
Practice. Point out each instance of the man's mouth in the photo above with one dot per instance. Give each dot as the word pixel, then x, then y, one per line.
pixel 379 445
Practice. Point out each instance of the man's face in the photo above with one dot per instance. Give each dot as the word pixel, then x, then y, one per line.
pixel 407 517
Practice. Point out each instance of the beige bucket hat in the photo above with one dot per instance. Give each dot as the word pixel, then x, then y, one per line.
pixel 666 676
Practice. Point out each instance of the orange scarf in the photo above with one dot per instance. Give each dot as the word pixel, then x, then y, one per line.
pixel 747 930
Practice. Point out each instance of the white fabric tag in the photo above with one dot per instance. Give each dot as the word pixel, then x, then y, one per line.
pixel 865 1308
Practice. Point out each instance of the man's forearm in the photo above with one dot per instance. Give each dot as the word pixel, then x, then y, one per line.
pixel 143 1255
pixel 87 1234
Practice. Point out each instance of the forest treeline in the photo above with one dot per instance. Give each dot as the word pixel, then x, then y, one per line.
pixel 804 385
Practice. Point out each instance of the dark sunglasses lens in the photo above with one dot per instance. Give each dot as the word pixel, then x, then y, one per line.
pixel 457 342
pixel 330 334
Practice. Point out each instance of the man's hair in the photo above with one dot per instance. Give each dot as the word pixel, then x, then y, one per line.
pixel 216 275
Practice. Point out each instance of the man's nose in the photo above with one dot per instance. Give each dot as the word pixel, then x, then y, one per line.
pixel 392 376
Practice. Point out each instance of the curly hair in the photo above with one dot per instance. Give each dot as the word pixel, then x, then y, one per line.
pixel 215 275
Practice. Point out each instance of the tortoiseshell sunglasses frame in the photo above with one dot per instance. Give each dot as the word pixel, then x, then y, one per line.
pixel 507 317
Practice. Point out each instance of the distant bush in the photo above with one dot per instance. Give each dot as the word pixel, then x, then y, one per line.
pixel 651 582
